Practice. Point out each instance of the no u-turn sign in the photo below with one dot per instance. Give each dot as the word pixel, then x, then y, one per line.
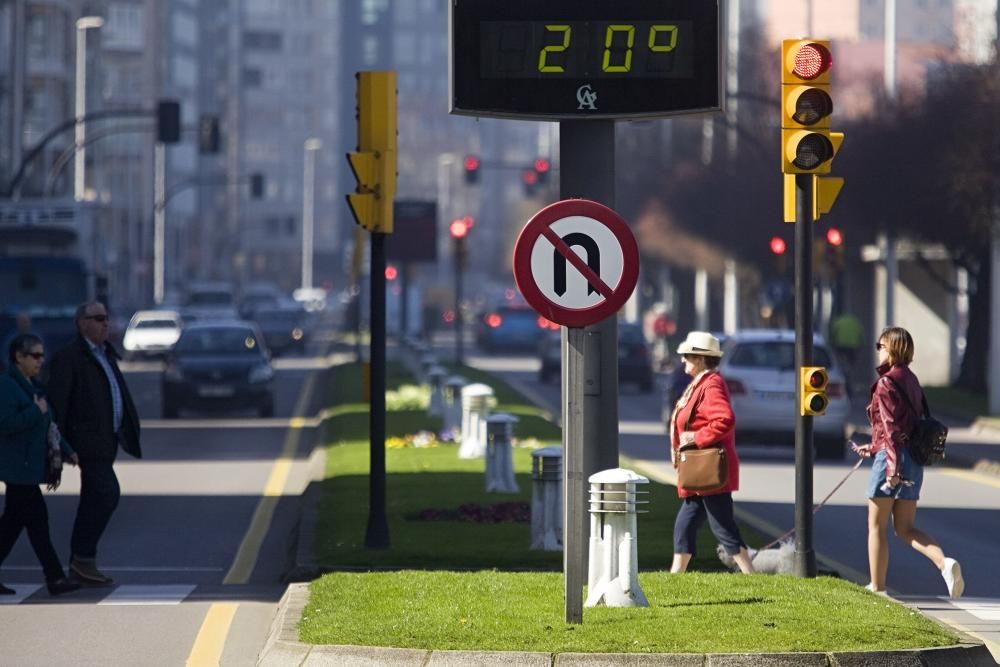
pixel 576 262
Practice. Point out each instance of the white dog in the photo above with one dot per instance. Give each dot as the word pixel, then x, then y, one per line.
pixel 777 560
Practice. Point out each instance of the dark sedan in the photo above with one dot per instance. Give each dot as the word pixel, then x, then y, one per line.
pixel 219 365
pixel 634 360
pixel 283 328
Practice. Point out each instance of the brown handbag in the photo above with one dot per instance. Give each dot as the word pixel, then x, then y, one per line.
pixel 701 469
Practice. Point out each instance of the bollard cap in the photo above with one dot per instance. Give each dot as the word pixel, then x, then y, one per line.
pixel 502 418
pixel 437 371
pixel 617 476
pixel 555 451
pixel 477 389
pixel 455 381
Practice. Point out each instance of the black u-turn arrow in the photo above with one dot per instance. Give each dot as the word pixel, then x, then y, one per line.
pixel 559 261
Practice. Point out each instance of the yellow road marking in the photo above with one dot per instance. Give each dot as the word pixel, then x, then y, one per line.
pixel 988 480
pixel 246 557
pixel 211 639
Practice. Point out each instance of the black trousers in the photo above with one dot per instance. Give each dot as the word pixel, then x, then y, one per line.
pixel 719 510
pixel 99 494
pixel 24 508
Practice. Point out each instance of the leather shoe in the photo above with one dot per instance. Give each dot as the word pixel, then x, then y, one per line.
pixel 87 572
pixel 61 585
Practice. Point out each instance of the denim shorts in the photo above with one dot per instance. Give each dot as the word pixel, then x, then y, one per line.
pixel 908 470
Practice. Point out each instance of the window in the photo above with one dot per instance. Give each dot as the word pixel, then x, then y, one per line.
pixel 262 40
pixel 252 77
pixel 774 355
pixel 123 29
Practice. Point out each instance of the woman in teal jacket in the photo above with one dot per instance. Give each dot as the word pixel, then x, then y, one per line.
pixel 24 453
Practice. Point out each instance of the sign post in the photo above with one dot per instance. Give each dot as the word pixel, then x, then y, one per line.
pixel 577 292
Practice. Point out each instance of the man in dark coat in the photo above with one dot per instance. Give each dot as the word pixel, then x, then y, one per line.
pixel 97 416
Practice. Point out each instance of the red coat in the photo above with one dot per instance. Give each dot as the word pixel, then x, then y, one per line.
pixel 713 423
pixel 890 415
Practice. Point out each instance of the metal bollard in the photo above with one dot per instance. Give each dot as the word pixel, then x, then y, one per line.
pixel 476 400
pixel 499 458
pixel 613 579
pixel 453 403
pixel 435 408
pixel 546 499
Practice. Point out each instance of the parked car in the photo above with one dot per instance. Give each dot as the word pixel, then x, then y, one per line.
pixel 151 333
pixel 283 327
pixel 634 359
pixel 759 368
pixel 218 365
pixel 511 328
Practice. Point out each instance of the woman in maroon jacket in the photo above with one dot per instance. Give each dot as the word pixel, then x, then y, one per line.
pixel 704 416
pixel 894 485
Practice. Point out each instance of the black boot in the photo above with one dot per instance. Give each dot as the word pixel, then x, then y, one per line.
pixel 61 585
pixel 7 591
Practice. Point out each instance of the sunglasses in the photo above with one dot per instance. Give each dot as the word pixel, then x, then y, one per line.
pixel 37 356
pixel 97 318
pixel 879 347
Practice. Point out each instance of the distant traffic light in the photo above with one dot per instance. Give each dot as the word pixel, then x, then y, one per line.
pixel 209 138
pixel 471 167
pixel 391 273
pixel 808 145
pixel 168 121
pixel 542 169
pixel 834 237
pixel 813 381
pixel 778 246
pixel 459 229
pixel 529 177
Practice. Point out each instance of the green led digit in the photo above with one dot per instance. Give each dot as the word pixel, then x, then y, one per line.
pixel 609 37
pixel 543 55
pixel 655 31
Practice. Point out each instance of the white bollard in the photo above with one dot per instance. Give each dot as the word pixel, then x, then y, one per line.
pixel 476 399
pixel 427 361
pixel 453 403
pixel 435 408
pixel 499 457
pixel 613 580
pixel 546 499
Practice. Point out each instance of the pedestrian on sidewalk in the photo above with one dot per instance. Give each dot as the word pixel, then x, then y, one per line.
pixel 97 414
pixel 25 423
pixel 896 479
pixel 704 416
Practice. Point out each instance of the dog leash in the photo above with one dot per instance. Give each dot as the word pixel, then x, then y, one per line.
pixel 821 503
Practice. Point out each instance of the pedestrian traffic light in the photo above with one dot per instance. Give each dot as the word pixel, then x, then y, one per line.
pixel 813 381
pixel 374 162
pixel 471 167
pixel 808 145
pixel 542 168
pixel 168 121
pixel 209 139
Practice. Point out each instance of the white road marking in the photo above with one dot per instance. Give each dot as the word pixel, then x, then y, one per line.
pixel 167 594
pixel 985 609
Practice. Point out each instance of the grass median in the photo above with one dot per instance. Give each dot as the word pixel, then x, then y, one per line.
pixel 463 577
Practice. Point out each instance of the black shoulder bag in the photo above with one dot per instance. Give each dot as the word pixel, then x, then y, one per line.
pixel 929 435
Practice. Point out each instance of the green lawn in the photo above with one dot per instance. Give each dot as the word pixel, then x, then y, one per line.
pixel 956 402
pixel 690 613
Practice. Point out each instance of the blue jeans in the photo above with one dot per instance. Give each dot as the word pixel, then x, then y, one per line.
pixel 719 510
pixel 99 494
pixel 908 470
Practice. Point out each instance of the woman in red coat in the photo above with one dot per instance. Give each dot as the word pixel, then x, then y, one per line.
pixel 704 416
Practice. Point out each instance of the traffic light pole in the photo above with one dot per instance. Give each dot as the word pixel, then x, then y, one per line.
pixel 377 532
pixel 459 260
pixel 805 557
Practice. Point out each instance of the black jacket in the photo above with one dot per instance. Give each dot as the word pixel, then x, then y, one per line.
pixel 81 397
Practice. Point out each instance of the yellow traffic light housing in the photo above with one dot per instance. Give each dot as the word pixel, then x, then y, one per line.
pixel 808 145
pixel 813 381
pixel 374 163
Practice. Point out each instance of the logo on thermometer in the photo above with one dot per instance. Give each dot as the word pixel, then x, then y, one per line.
pixel 587 97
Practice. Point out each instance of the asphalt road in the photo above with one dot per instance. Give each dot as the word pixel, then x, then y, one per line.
pixel 197 546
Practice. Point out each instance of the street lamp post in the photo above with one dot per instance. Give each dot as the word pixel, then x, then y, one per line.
pixel 83 24
pixel 308 206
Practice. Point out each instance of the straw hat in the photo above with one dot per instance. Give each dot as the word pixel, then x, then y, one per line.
pixel 701 343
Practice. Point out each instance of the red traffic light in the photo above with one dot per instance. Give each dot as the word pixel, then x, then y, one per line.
pixel 811 60
pixel 816 379
pixel 542 165
pixel 778 246
pixel 834 237
pixel 471 163
pixel 458 229
pixel 391 272
pixel 529 177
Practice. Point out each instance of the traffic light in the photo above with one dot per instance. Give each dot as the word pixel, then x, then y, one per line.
pixel 542 168
pixel 209 139
pixel 778 245
pixel 808 145
pixel 812 391
pixel 835 248
pixel 459 230
pixel 529 177
pixel 471 167
pixel 168 121
pixel 374 162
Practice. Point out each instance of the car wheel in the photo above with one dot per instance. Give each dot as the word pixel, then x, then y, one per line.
pixel 170 410
pixel 267 409
pixel 830 448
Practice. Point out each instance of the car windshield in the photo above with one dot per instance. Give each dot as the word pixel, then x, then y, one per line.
pixel 282 316
pixel 218 341
pixel 156 324
pixel 774 355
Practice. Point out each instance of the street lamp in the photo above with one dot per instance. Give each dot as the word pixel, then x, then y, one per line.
pixel 308 204
pixel 83 24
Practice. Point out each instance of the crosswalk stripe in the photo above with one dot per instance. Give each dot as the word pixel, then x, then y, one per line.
pixel 984 610
pixel 164 594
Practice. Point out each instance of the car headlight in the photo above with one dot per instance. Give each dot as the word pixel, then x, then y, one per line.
pixel 261 373
pixel 173 373
pixel 297 334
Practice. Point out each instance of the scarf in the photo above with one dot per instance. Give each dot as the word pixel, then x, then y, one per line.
pixel 682 402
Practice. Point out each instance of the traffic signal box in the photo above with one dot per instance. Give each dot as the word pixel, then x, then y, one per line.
pixel 812 390
pixel 374 163
pixel 807 144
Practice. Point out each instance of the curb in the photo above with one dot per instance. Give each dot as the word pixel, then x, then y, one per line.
pixel 283 649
